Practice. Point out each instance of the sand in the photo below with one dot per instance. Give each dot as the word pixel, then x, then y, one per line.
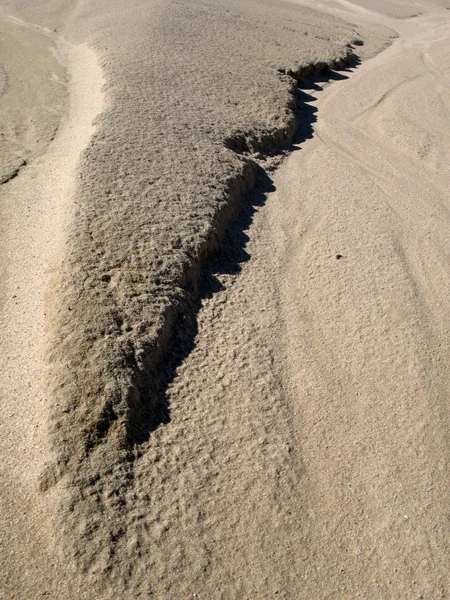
pixel 220 380
pixel 36 209
pixel 30 112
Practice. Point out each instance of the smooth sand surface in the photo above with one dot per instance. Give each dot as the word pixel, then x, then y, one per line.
pixel 32 93
pixel 286 435
pixel 35 210
pixel 364 301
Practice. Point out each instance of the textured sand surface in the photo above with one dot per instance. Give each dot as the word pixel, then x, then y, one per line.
pixel 157 186
pixel 32 94
pixel 271 422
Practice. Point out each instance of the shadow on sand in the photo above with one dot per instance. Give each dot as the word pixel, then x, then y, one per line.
pixel 228 260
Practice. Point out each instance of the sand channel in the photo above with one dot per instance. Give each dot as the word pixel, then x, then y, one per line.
pixel 35 211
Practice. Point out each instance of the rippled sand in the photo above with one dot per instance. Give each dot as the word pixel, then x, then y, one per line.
pixel 219 379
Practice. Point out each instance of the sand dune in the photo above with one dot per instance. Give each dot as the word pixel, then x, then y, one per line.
pixel 247 387
pixel 173 157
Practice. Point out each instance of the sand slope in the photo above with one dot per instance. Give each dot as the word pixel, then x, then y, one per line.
pixel 174 155
pixel 271 422
pixel 367 335
pixel 151 198
pixel 30 111
pixel 309 435
pixel 35 210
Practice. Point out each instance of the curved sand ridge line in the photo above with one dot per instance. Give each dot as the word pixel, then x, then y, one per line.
pixel 320 373
pixel 36 209
pixel 175 156
pixel 306 455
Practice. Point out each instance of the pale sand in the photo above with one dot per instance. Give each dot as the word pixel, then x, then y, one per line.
pixel 35 210
pixel 306 453
pixel 32 94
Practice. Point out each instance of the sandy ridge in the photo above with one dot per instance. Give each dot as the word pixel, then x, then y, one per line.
pixel 89 505
pixel 97 455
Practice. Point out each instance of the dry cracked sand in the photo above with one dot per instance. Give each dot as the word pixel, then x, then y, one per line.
pixel 224 299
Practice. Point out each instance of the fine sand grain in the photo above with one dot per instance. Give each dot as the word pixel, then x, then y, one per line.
pixel 247 394
pixel 34 211
pixel 32 94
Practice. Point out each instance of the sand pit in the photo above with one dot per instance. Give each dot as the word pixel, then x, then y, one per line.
pixel 246 395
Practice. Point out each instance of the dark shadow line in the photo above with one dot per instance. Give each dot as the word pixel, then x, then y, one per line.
pixel 154 407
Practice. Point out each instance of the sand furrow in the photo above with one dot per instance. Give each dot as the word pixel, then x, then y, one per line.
pixel 250 392
pixel 36 208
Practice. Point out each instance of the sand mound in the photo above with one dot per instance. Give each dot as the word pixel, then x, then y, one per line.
pixel 174 155
pixel 227 403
